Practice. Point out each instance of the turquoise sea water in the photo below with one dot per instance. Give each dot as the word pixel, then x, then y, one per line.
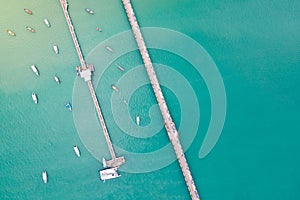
pixel 255 46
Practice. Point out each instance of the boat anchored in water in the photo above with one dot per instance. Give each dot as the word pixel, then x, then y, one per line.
pixel 109 173
pixel 88 10
pixel 10 32
pixel 56 79
pixel 55 48
pixel 47 22
pixel 34 98
pixel 28 11
pixel 120 67
pixel 35 70
pixel 137 120
pixel 99 29
pixel 68 106
pixel 30 29
pixel 115 88
pixel 109 49
pixel 76 150
pixel 45 177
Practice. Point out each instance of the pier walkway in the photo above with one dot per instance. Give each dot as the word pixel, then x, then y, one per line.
pixel 169 124
pixel 86 73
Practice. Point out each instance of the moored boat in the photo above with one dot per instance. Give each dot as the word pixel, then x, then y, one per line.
pixel 28 11
pixel 109 48
pixel 115 88
pixel 68 106
pixel 47 22
pixel 76 150
pixel 35 70
pixel 34 98
pixel 56 79
pixel 99 29
pixel 45 177
pixel 55 48
pixel 109 173
pixel 120 67
pixel 10 32
pixel 88 10
pixel 137 119
pixel 30 29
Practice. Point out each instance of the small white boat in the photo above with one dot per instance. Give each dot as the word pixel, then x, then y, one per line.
pixel 47 22
pixel 30 29
pixel 76 150
pixel 137 119
pixel 56 79
pixel 109 49
pixel 45 177
pixel 35 70
pixel 115 88
pixel 55 48
pixel 120 67
pixel 88 10
pixel 34 98
pixel 99 29
pixel 10 32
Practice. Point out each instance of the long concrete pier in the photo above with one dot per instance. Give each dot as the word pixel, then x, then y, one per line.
pixel 86 74
pixel 169 124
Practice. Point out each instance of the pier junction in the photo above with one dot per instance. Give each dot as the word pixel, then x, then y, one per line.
pixel 169 124
pixel 85 72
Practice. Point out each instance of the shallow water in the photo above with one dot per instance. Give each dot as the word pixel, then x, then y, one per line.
pixel 255 47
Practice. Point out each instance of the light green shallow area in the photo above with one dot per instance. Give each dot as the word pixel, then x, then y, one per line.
pixel 255 46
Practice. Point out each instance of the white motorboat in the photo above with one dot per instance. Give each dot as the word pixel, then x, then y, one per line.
pixel 109 49
pixel 76 150
pixel 35 70
pixel 137 119
pixel 56 79
pixel 115 88
pixel 55 48
pixel 45 177
pixel 47 22
pixel 34 98
pixel 30 29
pixel 88 10
pixel 109 173
pixel 120 67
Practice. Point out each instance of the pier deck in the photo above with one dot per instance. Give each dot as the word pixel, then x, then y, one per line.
pixel 169 124
pixel 86 73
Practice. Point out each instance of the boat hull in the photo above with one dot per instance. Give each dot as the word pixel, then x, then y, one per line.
pixel 34 98
pixel 57 79
pixel 35 70
pixel 68 106
pixel 47 22
pixel 45 177
pixel 76 150
pixel 55 48
pixel 137 120
pixel 28 11
pixel 10 32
